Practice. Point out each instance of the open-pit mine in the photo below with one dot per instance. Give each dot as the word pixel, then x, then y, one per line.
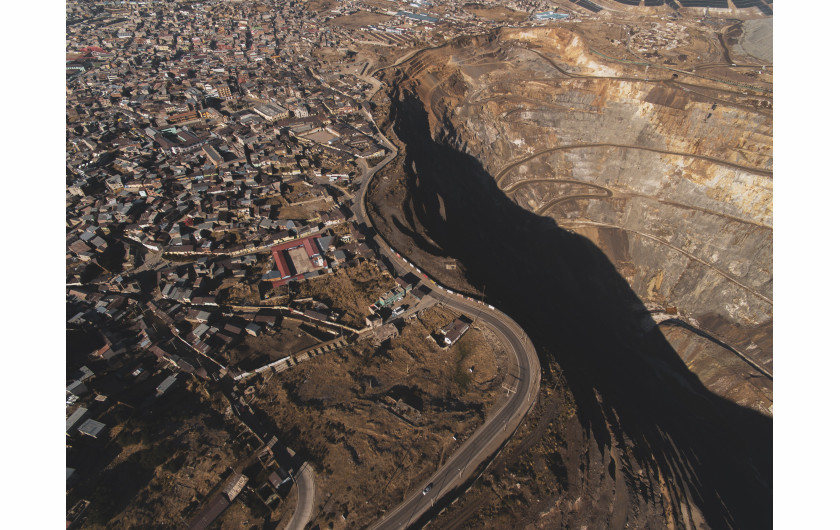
pixel 613 194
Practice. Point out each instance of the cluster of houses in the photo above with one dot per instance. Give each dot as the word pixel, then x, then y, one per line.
pixel 207 146
pixel 416 22
pixel 387 304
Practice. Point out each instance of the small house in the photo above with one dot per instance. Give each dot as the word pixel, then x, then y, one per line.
pixel 454 331
pixel 76 418
pixel 166 384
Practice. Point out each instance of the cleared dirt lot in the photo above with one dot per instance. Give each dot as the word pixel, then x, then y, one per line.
pixel 499 14
pixel 360 19
pixel 291 336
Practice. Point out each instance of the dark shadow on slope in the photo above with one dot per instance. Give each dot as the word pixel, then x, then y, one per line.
pixel 418 240
pixel 568 296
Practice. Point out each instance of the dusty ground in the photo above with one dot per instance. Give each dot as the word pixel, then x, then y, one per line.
pixel 304 211
pixel 360 19
pixel 320 5
pixel 334 411
pixel 245 514
pixel 290 337
pixel 234 292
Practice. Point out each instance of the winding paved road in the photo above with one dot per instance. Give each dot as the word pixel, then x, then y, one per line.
pixel 305 482
pixel 523 378
pixel 493 434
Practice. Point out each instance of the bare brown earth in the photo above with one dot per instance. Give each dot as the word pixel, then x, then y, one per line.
pixel 304 211
pixel 320 5
pixel 587 189
pixel 234 291
pixel 360 19
pixel 367 452
pixel 285 339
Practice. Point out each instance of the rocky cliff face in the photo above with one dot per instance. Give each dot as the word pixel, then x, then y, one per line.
pixel 670 175
pixel 626 224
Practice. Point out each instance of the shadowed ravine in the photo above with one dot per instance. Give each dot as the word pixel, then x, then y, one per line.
pixel 632 390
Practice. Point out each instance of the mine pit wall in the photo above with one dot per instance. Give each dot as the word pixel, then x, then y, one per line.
pixel 690 232
pixel 683 454
pixel 674 187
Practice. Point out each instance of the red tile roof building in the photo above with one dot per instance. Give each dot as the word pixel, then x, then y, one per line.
pixel 296 258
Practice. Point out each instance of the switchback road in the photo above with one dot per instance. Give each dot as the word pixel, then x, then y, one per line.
pixel 505 170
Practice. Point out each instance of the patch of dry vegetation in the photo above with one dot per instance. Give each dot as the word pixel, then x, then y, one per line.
pixel 246 512
pixel 334 411
pixel 349 290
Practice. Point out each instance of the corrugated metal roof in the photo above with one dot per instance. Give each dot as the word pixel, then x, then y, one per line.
pixel 92 428
pixel 74 418
pixel 168 382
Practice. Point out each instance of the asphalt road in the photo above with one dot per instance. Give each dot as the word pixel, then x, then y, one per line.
pixel 305 481
pixel 523 380
pixel 493 433
pixel 358 207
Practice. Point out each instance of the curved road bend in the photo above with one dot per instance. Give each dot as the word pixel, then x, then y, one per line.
pixel 492 435
pixel 305 481
pixel 499 427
